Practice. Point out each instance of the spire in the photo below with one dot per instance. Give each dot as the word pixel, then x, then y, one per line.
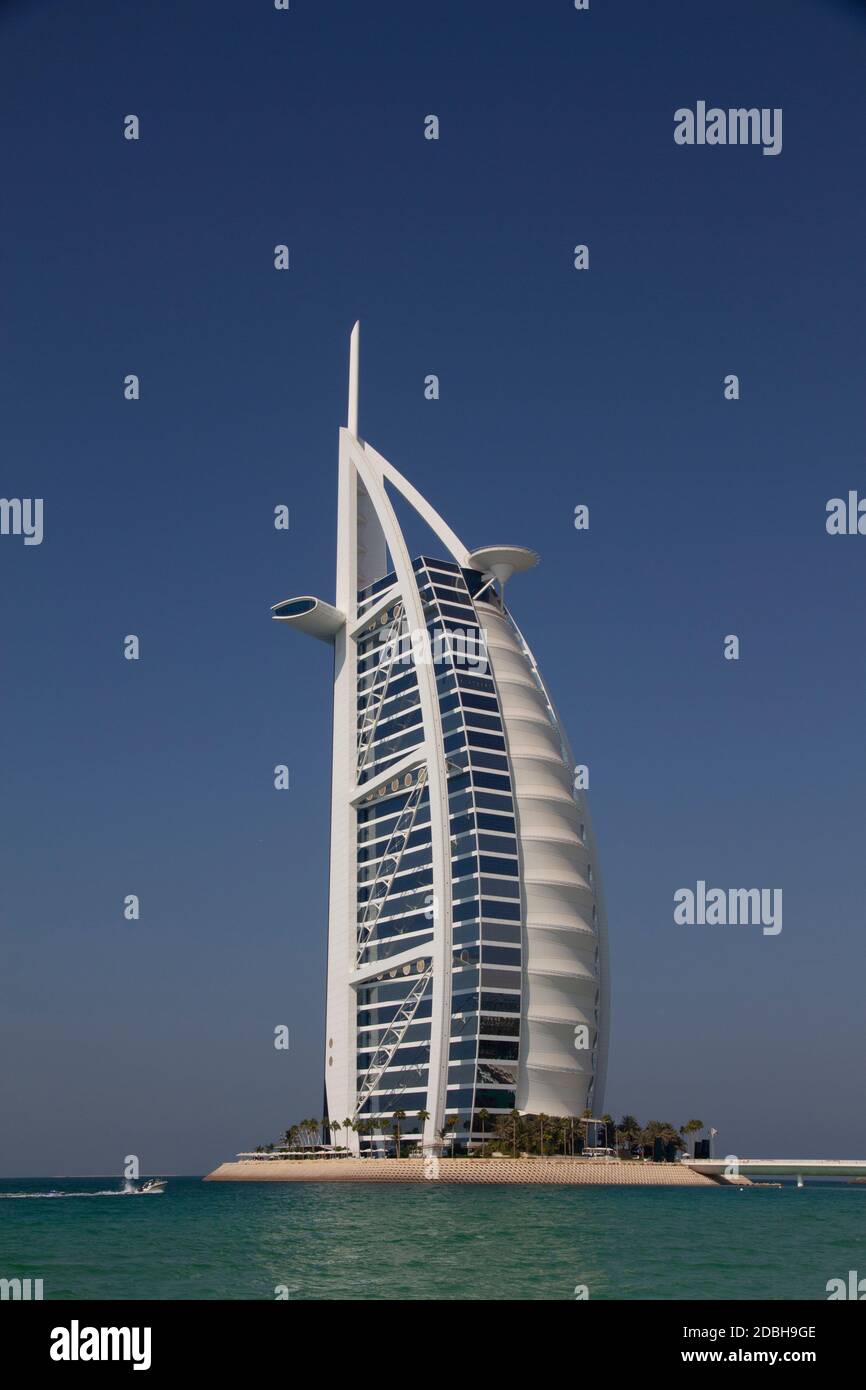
pixel 354 354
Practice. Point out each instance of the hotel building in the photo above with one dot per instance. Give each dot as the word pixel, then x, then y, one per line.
pixel 467 939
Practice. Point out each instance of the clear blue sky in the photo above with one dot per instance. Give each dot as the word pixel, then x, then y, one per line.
pixel 557 387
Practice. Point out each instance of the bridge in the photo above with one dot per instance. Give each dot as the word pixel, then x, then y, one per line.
pixel 779 1167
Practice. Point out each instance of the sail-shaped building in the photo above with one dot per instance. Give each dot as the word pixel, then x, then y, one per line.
pixel 467 938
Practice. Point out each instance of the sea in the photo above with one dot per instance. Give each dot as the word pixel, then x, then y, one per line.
pixel 91 1239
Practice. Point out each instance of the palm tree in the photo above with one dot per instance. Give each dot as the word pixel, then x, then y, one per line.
pixel 541 1120
pixel 398 1116
pixel 629 1128
pixel 693 1127
pixel 660 1129
pixel 347 1125
pixel 367 1127
pixel 423 1117
pixel 514 1117
pixel 377 1130
pixel 557 1130
pixel 451 1123
pixel 483 1117
pixel 609 1124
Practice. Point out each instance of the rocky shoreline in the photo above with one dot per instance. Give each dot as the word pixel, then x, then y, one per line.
pixel 568 1171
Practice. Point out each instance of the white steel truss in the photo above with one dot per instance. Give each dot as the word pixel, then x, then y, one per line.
pixel 392 1037
pixel 395 855
pixel 369 718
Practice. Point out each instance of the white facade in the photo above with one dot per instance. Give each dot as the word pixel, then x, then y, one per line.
pixel 467 947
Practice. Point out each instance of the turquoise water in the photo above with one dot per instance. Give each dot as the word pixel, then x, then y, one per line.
pixel 243 1240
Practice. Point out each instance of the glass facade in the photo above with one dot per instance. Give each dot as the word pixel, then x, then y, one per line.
pixel 395 900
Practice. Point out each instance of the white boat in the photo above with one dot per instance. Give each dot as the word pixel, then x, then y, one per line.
pixel 152 1185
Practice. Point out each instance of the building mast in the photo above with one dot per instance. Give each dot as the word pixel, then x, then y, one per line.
pixel 354 363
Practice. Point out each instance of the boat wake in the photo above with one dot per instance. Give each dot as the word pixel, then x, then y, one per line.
pixel 29 1196
pixel 153 1185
